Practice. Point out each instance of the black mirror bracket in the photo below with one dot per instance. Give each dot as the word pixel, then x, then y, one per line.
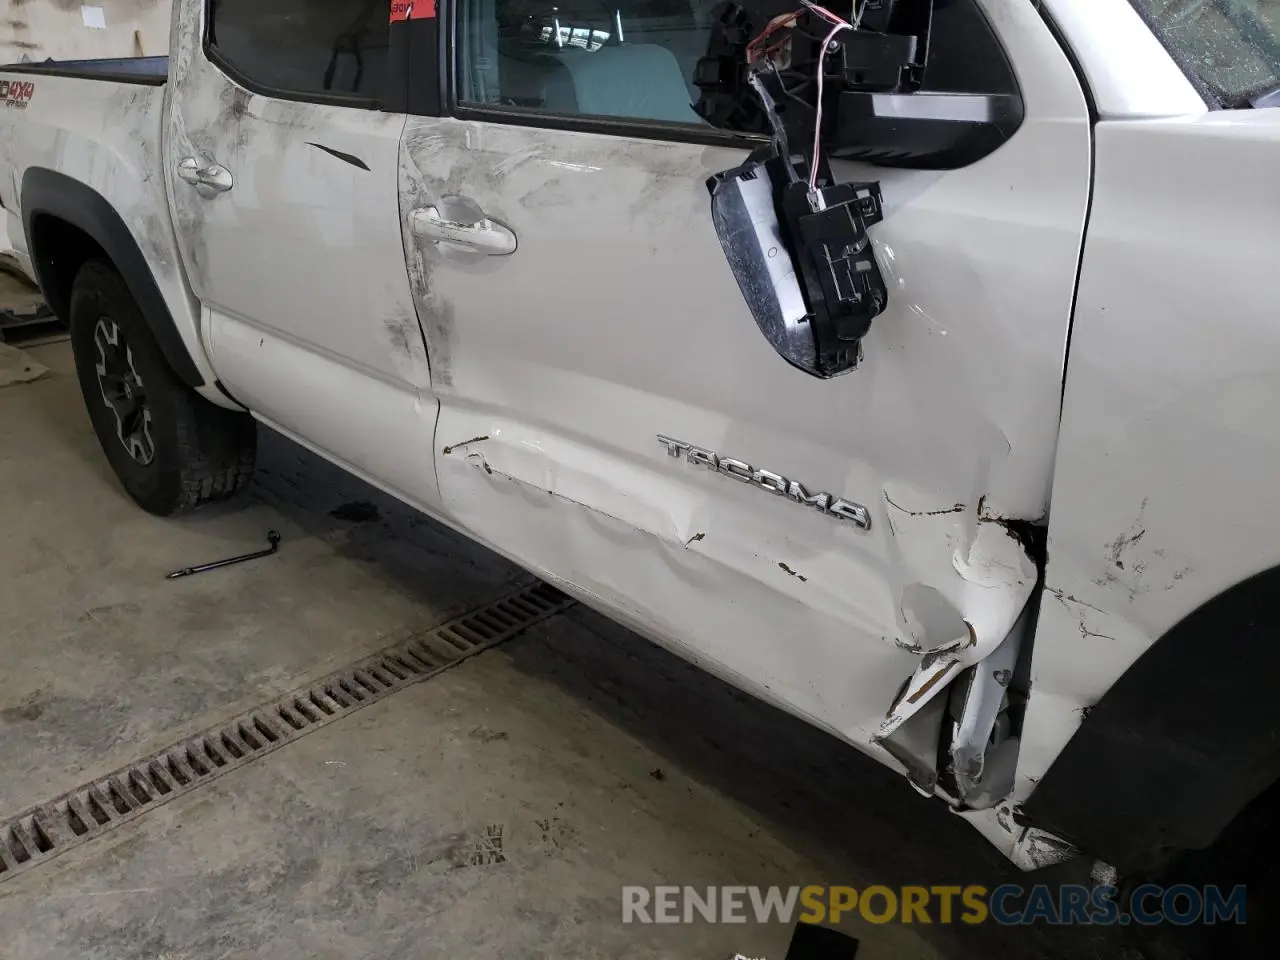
pixel 815 306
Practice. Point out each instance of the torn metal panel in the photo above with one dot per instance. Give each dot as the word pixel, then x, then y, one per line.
pixel 746 601
pixel 983 751
pixel 1027 847
pixel 988 584
pixel 965 622
pixel 915 745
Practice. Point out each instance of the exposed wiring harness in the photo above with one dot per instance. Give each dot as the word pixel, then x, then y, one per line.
pixel 839 25
pixel 816 306
pixel 757 50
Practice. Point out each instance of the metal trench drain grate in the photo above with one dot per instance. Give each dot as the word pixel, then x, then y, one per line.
pixel 41 833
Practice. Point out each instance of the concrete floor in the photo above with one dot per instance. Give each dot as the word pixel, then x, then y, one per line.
pixel 603 760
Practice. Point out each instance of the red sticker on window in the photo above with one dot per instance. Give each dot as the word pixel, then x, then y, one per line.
pixel 413 10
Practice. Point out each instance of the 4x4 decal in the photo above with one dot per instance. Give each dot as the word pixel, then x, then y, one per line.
pixel 16 93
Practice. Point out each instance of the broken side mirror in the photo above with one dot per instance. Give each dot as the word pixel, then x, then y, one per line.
pixel 803 260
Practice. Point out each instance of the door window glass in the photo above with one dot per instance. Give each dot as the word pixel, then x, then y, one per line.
pixel 304 48
pixel 636 58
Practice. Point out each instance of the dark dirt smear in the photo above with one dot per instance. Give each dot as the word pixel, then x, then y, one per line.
pixel 357 511
pixel 26 711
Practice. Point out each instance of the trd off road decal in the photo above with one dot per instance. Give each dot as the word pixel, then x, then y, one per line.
pixel 16 93
pixel 413 10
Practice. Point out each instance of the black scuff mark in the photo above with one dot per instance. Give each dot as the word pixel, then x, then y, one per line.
pixel 17 25
pixel 344 157
pixel 1121 543
pixel 233 106
pixel 958 508
pixel 695 538
pixel 1116 557
pixel 786 569
pixel 1086 633
pixel 22 44
pixel 1068 598
pixel 399 336
pixel 465 443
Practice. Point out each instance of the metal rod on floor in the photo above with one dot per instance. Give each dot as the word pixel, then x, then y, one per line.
pixel 273 538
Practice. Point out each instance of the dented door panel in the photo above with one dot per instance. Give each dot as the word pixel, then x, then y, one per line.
pixel 616 322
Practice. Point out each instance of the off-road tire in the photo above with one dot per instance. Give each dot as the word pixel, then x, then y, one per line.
pixel 195 452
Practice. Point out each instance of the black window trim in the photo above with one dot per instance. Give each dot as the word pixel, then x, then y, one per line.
pixel 275 93
pixel 660 130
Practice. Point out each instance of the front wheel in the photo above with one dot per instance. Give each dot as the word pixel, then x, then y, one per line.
pixel 171 449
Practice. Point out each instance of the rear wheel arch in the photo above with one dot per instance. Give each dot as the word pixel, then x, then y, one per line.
pixel 68 223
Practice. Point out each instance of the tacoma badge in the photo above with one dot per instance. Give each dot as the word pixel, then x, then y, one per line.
pixel 768 480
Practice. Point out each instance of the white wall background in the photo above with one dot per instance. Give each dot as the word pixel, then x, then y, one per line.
pixel 67 30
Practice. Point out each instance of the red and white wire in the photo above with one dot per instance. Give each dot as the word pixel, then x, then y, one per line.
pixel 839 25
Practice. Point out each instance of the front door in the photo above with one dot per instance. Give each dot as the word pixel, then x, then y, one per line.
pixel 282 161
pixel 594 355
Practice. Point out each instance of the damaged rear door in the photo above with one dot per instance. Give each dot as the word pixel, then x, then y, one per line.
pixel 282 148
pixel 612 416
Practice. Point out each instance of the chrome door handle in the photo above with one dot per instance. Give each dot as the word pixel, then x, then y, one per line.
pixel 473 229
pixel 205 173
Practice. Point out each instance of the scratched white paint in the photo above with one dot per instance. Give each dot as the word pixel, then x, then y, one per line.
pixel 617 319
pixel 1164 485
pixel 105 134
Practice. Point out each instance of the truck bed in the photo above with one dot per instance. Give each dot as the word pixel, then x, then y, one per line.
pixel 95 124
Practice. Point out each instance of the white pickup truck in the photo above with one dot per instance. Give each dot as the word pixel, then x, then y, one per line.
pixel 989 498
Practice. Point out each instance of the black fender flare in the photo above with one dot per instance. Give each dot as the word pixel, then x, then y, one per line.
pixel 49 193
pixel 1180 744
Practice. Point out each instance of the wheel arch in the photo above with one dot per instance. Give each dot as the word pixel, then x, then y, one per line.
pixel 1182 743
pixel 66 222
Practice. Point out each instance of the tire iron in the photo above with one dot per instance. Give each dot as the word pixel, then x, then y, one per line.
pixel 273 538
